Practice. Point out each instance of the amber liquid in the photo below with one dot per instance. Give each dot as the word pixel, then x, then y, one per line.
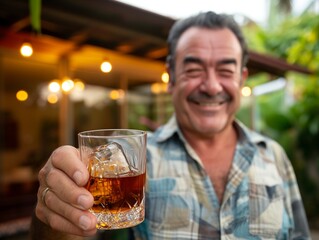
pixel 118 201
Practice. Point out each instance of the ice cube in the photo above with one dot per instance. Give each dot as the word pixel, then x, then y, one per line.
pixel 109 160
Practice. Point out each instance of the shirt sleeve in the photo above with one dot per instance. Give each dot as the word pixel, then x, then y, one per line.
pixel 293 198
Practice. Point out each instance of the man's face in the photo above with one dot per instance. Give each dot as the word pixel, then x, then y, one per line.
pixel 208 80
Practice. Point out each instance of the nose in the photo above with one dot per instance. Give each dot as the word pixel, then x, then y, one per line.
pixel 211 83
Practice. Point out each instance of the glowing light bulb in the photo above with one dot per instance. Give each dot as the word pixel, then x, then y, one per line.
pixel 67 85
pixel 79 85
pixel 54 87
pixel 22 95
pixel 26 49
pixel 246 91
pixel 116 94
pixel 106 67
pixel 165 77
pixel 156 88
pixel 52 98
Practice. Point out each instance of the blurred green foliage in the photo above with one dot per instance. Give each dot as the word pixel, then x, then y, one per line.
pixel 295 124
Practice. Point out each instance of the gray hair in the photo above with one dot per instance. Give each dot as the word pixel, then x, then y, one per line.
pixel 208 20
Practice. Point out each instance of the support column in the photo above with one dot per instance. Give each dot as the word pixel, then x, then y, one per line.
pixel 123 104
pixel 2 103
pixel 66 127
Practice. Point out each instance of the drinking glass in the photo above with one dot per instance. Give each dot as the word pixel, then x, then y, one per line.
pixel 115 159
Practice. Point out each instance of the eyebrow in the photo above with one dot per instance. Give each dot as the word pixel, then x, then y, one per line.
pixel 227 61
pixel 192 59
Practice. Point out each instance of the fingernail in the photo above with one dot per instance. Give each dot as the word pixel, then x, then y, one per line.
pixel 84 222
pixel 84 201
pixel 78 177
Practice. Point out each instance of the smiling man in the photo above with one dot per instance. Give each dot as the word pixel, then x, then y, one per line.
pixel 208 176
pixel 208 78
pixel 206 95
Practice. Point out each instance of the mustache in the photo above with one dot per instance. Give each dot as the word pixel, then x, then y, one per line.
pixel 203 96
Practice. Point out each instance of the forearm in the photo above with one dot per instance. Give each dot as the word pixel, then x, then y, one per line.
pixel 41 231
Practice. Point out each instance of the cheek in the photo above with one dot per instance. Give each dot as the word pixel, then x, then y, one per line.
pixel 184 87
pixel 233 89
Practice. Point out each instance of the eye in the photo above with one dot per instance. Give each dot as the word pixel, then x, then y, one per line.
pixel 226 73
pixel 193 72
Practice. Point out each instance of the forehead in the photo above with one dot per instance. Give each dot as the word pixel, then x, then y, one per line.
pixel 205 42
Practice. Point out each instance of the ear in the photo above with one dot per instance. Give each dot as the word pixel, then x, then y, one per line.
pixel 171 82
pixel 244 76
pixel 170 87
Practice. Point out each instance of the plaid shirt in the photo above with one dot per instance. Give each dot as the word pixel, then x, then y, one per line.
pixel 261 200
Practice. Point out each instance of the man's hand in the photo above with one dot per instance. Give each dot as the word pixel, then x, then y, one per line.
pixel 63 202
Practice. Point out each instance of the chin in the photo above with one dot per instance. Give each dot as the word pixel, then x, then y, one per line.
pixel 212 126
pixel 209 131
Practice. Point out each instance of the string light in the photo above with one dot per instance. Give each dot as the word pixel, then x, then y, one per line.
pixel 52 98
pixel 106 66
pixel 246 91
pixel 79 85
pixel 26 49
pixel 67 85
pixel 158 88
pixel 22 95
pixel 165 77
pixel 54 86
pixel 116 94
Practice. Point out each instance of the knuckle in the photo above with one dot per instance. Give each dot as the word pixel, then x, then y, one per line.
pixel 51 177
pixel 56 155
pixel 60 154
pixel 40 213
pixel 42 174
pixel 39 194
pixel 49 199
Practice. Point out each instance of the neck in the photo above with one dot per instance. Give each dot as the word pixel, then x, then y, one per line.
pixel 200 142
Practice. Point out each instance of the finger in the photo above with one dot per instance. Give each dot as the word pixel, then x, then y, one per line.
pixel 79 218
pixel 67 159
pixel 67 191
pixel 43 173
pixel 78 222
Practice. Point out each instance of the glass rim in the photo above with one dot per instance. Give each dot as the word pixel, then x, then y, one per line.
pixel 120 131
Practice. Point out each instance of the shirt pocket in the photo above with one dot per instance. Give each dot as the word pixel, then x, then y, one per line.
pixel 266 210
pixel 168 203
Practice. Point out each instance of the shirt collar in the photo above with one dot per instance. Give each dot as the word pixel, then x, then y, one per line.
pixel 248 135
pixel 168 130
pixel 245 134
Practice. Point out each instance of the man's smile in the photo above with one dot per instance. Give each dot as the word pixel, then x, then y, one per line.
pixel 205 100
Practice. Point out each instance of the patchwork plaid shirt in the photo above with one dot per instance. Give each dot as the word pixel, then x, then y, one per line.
pixel 261 200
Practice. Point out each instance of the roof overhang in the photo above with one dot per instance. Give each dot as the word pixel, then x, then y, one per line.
pixel 109 25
